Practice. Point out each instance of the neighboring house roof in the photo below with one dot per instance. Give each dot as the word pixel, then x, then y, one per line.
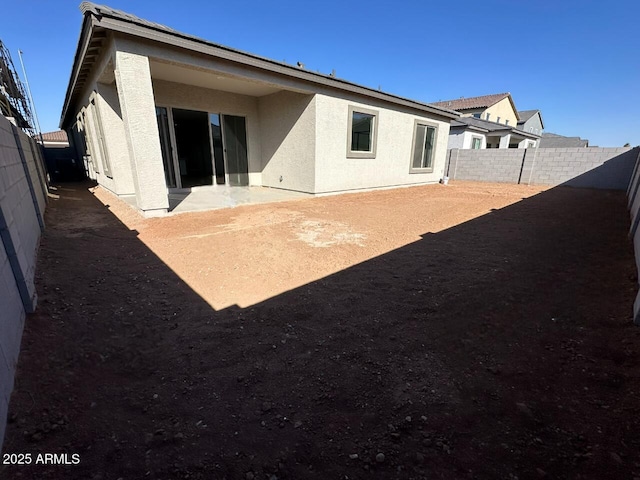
pixel 553 140
pixel 57 136
pixel 98 18
pixel 473 103
pixel 527 114
pixel 486 126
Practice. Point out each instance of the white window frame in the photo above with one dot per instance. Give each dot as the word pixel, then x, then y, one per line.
pixel 374 134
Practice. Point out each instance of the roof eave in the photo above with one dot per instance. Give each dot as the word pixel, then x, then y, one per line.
pixel 93 19
pixel 83 42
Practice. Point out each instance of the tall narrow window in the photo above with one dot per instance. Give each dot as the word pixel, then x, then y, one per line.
pixel 218 149
pixel 102 147
pixel 424 143
pixel 362 133
pixel 165 146
pixel 476 143
pixel 488 116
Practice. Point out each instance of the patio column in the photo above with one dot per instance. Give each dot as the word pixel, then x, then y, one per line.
pixel 504 140
pixel 135 92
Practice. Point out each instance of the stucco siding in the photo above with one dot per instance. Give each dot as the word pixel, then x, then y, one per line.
pixel 177 95
pixel 391 165
pixel 469 136
pixel 456 138
pixel 533 125
pixel 288 143
pixel 504 110
pixel 115 138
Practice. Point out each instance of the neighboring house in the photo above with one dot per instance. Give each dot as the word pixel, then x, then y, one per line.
pixel 531 121
pixel 475 133
pixel 154 110
pixel 60 157
pixel 553 140
pixel 57 139
pixel 497 108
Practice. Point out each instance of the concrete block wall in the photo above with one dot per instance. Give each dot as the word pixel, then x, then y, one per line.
pixel 485 165
pixel 633 201
pixel 23 196
pixel 584 167
pixel 608 168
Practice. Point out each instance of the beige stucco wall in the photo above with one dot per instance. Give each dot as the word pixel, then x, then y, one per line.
pixel 135 93
pixel 390 167
pixel 95 166
pixel 115 138
pixel 504 110
pixel 119 111
pixel 178 95
pixel 292 134
pixel 288 140
pixel 97 159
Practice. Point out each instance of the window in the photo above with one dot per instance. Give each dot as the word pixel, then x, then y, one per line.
pixel 424 144
pixel 506 122
pixel 498 120
pixel 476 143
pixel 476 115
pixel 488 116
pixel 102 147
pixel 531 145
pixel 362 133
pixel 162 116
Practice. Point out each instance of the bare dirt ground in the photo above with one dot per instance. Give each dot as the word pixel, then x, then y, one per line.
pixel 469 331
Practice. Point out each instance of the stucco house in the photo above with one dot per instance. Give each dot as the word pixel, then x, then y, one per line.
pixel 475 133
pixel 497 107
pixel 153 110
pixel 531 121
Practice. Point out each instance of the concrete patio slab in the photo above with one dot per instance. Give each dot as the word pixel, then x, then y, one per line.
pixel 222 196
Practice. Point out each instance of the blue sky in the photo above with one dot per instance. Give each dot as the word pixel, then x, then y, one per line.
pixel 577 62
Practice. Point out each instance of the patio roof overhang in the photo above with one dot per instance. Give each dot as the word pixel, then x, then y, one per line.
pixel 99 21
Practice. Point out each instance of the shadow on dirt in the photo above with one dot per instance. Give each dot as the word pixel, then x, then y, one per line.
pixel 524 364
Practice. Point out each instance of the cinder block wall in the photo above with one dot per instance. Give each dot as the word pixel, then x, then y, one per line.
pixel 486 165
pixel 591 167
pixel 633 197
pixel 23 196
pixel 584 167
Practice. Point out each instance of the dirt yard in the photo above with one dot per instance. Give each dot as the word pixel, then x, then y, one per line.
pixel 464 331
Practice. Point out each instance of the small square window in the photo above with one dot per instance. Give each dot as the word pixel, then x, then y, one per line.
pixel 362 133
pixel 424 145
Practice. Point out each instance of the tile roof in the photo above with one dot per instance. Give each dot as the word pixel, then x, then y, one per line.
pixel 112 12
pixel 57 136
pixel 553 140
pixel 461 104
pixel 526 115
pixel 489 126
